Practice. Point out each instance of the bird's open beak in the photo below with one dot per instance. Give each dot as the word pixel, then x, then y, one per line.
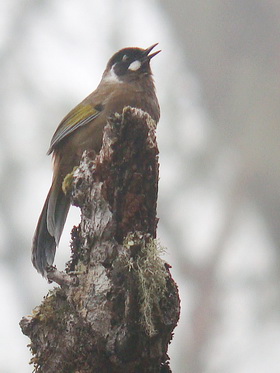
pixel 148 50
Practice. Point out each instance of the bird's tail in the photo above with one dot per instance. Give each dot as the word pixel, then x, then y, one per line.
pixel 49 228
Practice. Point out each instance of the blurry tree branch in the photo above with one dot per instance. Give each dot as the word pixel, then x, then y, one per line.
pixel 235 52
pixel 120 313
pixel 233 49
pixel 207 307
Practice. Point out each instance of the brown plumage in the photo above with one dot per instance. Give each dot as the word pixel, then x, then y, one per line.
pixel 126 81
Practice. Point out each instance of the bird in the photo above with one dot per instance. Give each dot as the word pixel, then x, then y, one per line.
pixel 126 81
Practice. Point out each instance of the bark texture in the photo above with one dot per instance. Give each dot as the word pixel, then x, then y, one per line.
pixel 118 313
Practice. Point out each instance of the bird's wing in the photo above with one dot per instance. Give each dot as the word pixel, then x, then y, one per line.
pixel 79 116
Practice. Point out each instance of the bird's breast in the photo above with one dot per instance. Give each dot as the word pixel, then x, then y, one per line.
pixel 134 96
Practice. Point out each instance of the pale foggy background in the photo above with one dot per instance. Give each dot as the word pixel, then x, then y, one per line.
pixel 218 80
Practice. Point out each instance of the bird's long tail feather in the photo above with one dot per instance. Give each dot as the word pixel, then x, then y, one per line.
pixel 49 228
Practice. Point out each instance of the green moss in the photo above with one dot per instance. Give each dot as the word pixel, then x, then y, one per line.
pixel 151 275
pixel 53 308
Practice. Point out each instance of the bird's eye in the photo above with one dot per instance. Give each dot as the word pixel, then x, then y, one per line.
pixel 125 58
pixel 135 65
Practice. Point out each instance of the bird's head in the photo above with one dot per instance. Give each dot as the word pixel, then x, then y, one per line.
pixel 129 64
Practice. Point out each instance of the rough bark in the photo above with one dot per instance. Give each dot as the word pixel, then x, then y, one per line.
pixel 118 304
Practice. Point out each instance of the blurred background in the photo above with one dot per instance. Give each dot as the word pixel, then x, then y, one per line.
pixel 218 81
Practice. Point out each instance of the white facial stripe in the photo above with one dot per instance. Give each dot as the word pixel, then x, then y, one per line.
pixel 112 76
pixel 135 65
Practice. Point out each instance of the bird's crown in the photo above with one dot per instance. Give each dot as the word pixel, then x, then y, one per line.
pixel 129 63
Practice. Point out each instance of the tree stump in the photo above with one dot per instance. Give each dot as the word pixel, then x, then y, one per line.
pixel 117 304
